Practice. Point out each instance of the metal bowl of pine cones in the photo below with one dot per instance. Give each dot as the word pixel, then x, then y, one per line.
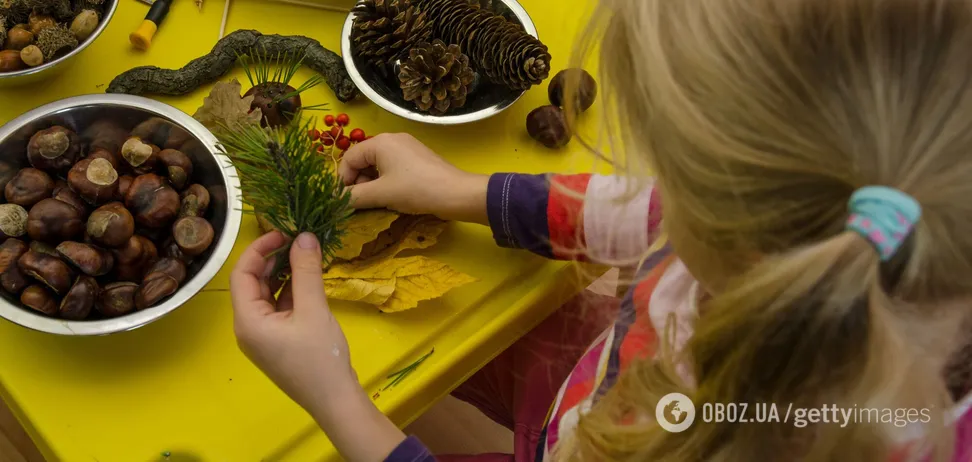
pixel 443 62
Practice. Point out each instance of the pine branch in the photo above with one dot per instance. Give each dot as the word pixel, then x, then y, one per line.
pixel 290 184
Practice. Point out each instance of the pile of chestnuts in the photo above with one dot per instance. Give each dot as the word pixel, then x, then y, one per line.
pixel 99 229
pixel 548 124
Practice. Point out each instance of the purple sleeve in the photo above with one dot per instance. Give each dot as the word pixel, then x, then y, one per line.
pixel 516 205
pixel 410 450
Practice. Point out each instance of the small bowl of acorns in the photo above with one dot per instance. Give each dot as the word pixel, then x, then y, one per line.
pixel 115 211
pixel 443 61
pixel 37 36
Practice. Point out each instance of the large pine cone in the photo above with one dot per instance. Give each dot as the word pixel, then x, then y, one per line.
pixel 384 29
pixel 436 77
pixel 500 49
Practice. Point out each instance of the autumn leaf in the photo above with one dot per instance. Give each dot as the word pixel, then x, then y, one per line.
pixel 408 232
pixel 413 279
pixel 363 227
pixel 372 292
pixel 434 281
pixel 225 108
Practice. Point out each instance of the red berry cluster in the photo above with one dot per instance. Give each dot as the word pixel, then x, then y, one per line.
pixel 334 136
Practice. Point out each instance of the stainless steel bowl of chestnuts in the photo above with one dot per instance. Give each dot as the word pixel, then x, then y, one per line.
pixel 39 38
pixel 114 211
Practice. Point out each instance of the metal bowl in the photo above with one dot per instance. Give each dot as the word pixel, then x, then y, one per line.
pixel 162 124
pixel 485 99
pixel 34 74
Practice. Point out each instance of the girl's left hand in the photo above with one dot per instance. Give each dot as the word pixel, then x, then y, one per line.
pixel 299 345
pixel 294 339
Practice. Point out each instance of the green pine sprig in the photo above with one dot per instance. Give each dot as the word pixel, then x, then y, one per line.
pixel 290 184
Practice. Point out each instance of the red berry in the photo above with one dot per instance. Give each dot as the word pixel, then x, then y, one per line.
pixel 314 134
pixel 358 135
pixel 320 148
pixel 328 120
pixel 328 141
pixel 336 132
pixel 343 143
pixel 343 120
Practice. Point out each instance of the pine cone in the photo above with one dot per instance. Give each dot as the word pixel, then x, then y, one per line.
pixel 384 29
pixel 436 77
pixel 500 49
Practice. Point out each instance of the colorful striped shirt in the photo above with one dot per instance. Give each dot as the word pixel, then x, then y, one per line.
pixel 608 219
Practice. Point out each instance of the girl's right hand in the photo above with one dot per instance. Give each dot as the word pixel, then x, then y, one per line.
pixel 398 172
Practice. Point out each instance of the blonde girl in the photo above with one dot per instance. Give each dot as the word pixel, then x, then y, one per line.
pixel 813 159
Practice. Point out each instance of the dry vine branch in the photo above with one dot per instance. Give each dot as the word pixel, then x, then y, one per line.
pixel 209 68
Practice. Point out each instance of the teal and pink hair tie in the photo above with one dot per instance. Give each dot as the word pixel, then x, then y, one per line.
pixel 884 216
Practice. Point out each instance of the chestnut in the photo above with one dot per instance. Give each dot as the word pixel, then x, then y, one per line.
pixel 39 22
pixel 171 250
pixel 178 167
pixel 139 155
pixel 11 278
pixel 155 287
pixel 193 235
pixel 105 135
pixel 13 220
pixel 66 195
pixel 134 258
pixel 50 270
pixel 169 266
pixel 7 172
pixel 37 298
pixel 42 248
pixel 55 148
pixel 80 298
pixel 578 82
pixel 195 201
pixel 101 153
pixel 111 225
pixel 91 260
pixel 124 183
pixel 95 180
pixel 548 125
pixel 154 203
pixel 117 298
pixel 53 221
pixel 18 38
pixel 28 187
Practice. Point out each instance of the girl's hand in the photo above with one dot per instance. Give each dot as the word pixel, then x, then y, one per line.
pixel 294 340
pixel 399 172
pixel 298 344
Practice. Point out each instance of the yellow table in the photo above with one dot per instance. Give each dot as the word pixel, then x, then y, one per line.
pixel 180 386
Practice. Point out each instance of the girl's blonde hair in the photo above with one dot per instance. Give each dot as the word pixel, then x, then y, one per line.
pixel 760 119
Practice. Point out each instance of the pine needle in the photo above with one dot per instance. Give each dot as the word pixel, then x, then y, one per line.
pixel 397 377
pixel 290 184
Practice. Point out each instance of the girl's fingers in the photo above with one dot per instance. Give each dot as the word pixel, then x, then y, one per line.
pixel 307 274
pixel 248 284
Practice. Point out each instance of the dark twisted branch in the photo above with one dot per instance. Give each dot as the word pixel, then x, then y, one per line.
pixel 209 68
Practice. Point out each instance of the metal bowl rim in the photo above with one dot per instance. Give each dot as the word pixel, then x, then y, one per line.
pixel 219 256
pixel 359 81
pixel 43 67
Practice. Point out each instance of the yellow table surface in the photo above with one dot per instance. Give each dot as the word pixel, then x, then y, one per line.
pixel 180 385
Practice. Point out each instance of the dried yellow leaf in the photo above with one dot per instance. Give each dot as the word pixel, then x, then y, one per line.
pixel 408 232
pixel 437 279
pixel 372 292
pixel 225 108
pixel 414 279
pixel 363 227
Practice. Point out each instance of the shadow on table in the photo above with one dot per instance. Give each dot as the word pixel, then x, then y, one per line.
pixel 177 456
